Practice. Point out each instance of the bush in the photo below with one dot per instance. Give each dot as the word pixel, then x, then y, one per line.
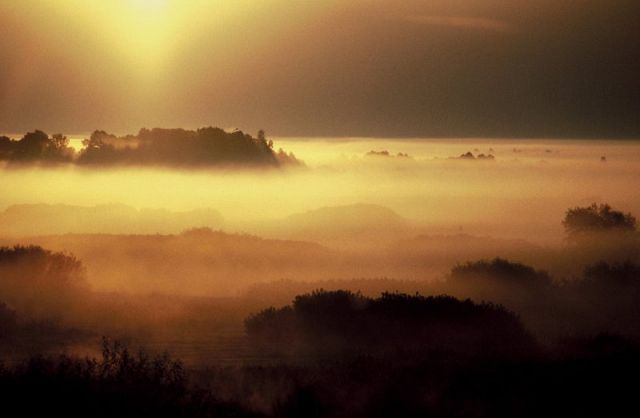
pixel 119 384
pixel 581 221
pixel 345 322
pixel 501 272
pixel 38 282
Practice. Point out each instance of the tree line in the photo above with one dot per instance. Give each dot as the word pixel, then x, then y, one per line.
pixel 203 147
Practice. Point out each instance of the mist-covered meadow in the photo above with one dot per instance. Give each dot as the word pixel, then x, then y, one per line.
pixel 520 193
pixel 340 209
pixel 265 280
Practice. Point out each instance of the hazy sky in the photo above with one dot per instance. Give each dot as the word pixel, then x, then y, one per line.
pixel 323 68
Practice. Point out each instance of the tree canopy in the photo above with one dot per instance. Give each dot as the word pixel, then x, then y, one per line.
pixel 499 271
pixel 581 221
pixel 36 146
pixel 203 147
pixel 344 321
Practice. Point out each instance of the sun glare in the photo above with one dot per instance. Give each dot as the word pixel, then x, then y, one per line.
pixel 148 5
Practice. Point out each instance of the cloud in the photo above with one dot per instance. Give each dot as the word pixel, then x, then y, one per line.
pixel 463 22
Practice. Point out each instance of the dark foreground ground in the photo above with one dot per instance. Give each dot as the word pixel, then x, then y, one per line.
pixel 594 377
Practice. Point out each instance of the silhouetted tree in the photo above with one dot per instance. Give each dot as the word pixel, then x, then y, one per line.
pixel 39 281
pixel 288 159
pixel 6 147
pixel 500 271
pixel 608 298
pixel 519 287
pixel 486 157
pixel 118 384
pixel 36 146
pixel 58 149
pixel 99 148
pixel 618 275
pixel 344 322
pixel 169 147
pixel 180 147
pixel 31 146
pixel 98 140
pixel 374 153
pixel 582 221
pixel 8 321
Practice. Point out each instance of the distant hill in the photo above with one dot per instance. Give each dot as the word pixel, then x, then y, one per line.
pixel 196 262
pixel 42 219
pixel 461 247
pixel 353 225
pixel 125 249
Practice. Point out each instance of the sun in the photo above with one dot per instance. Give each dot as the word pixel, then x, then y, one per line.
pixel 144 30
pixel 148 5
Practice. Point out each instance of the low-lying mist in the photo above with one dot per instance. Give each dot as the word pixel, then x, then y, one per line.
pixel 178 258
pixel 385 283
pixel 520 194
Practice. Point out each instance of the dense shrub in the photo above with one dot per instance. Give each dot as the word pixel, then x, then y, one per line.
pixel 501 273
pixel 119 384
pixel 340 321
pixel 596 218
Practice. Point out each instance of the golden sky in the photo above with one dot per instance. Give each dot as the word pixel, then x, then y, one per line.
pixel 333 68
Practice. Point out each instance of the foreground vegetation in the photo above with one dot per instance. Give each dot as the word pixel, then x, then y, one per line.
pixel 510 340
pixel 586 377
